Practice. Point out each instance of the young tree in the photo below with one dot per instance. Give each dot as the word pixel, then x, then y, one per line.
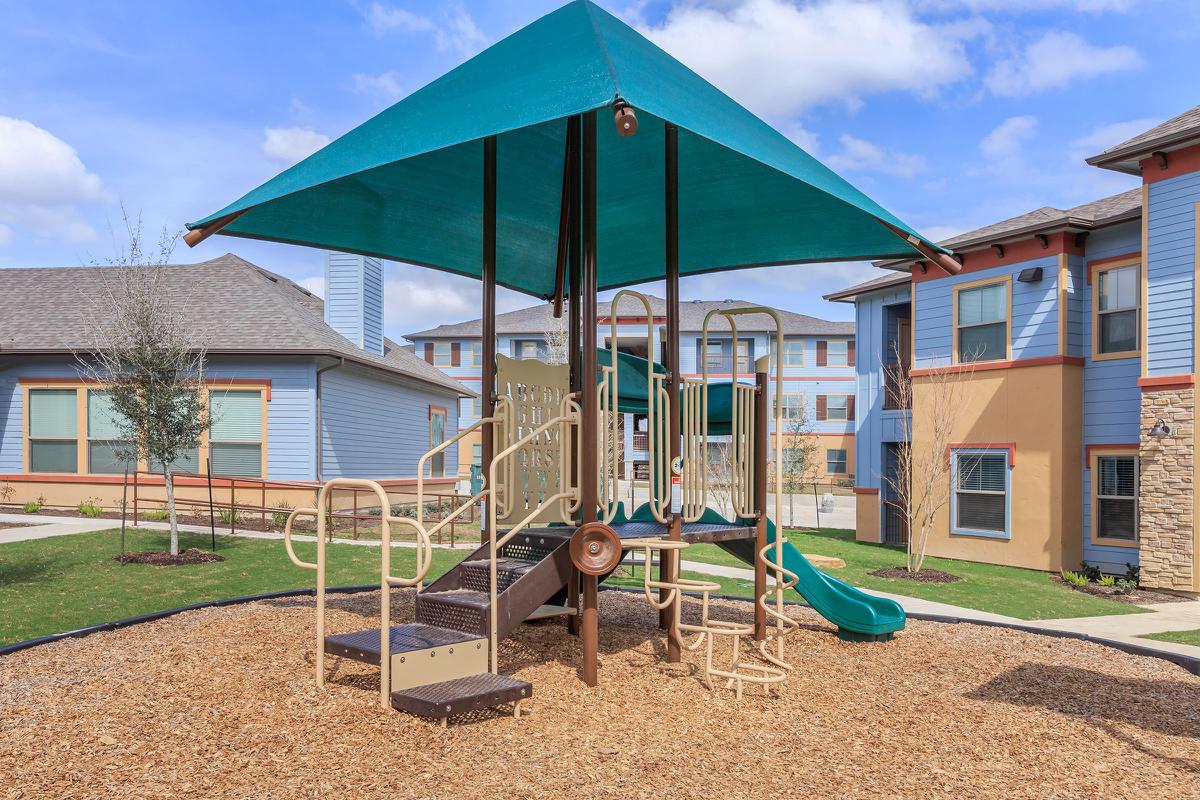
pixel 921 481
pixel 151 362
pixel 558 346
pixel 799 457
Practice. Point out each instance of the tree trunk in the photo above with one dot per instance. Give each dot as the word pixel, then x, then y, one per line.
pixel 169 481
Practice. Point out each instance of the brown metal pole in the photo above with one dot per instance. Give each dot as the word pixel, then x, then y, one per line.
pixel 564 222
pixel 488 379
pixel 763 388
pixel 590 426
pixel 667 560
pixel 574 125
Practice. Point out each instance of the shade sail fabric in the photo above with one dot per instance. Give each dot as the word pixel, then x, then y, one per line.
pixel 407 184
pixel 633 395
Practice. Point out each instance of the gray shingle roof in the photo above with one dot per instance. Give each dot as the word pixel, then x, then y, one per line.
pixel 229 304
pixel 1175 132
pixel 882 282
pixel 537 319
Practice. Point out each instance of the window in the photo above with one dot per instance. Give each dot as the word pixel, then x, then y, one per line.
pixel 1116 506
pixel 443 354
pixel 477 454
pixel 837 406
pixel 437 435
pixel 477 354
pixel 981 493
pixel 53 430
pixel 104 445
pixel 235 438
pixel 837 353
pixel 793 406
pixel 1116 319
pixel 714 357
pixel 793 352
pixel 982 322
pixel 835 462
pixel 529 348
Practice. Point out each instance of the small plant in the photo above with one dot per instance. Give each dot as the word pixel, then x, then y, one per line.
pixel 1125 586
pixel 1074 578
pixel 230 516
pixel 32 507
pixel 1133 573
pixel 1089 571
pixel 90 507
pixel 6 492
pixel 1108 581
pixel 156 514
pixel 279 518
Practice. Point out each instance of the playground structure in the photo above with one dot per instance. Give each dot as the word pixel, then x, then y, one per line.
pixel 413 183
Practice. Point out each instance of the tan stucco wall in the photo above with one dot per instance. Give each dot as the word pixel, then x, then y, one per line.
pixel 1036 410
pixel 866 517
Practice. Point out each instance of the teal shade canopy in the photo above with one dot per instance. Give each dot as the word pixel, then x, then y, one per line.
pixel 633 392
pixel 407 184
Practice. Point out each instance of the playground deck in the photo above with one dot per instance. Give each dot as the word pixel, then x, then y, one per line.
pixel 221 703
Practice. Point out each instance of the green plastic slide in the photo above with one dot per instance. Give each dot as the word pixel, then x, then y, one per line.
pixel 859 616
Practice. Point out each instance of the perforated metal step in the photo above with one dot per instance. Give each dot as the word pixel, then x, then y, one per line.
pixel 464 610
pixel 411 637
pixel 472 693
pixel 476 574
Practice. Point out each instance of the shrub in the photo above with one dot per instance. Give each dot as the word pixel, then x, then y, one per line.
pixel 279 518
pixel 32 507
pixel 1074 578
pixel 1089 571
pixel 1108 581
pixel 230 516
pixel 1133 573
pixel 90 507
pixel 1124 586
pixel 156 514
pixel 6 492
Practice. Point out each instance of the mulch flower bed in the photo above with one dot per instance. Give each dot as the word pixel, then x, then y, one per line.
pixel 162 558
pixel 923 576
pixel 222 703
pixel 1138 597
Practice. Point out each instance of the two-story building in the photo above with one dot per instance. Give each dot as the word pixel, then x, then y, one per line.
pixel 819 362
pixel 1072 338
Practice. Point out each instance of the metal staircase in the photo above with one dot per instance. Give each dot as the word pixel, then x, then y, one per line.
pixel 439 663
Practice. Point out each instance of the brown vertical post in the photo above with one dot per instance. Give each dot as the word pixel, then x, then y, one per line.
pixel 572 162
pixel 762 388
pixel 667 560
pixel 590 424
pixel 488 345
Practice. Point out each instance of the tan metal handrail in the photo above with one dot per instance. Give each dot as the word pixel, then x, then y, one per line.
pixel 499 418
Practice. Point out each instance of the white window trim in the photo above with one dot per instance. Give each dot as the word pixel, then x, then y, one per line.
pixel 967 451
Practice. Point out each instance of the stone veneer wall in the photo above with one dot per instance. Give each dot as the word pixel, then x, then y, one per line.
pixel 1167 491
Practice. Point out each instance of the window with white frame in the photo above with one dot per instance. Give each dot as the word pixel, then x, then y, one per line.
pixel 980 483
pixel 1116 506
pixel 529 348
pixel 792 406
pixel 836 462
pixel 477 354
pixel 477 454
pixel 714 357
pixel 743 356
pixel 983 322
pixel 1117 304
pixel 837 407
pixel 443 354
pixel 837 353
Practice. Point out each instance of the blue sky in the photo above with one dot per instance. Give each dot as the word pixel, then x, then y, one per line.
pixel 951 113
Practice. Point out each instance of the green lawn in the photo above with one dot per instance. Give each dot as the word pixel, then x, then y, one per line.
pixel 67 582
pixel 1178 637
pixel 1021 593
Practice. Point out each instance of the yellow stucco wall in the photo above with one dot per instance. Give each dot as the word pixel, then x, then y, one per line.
pixel 866 517
pixel 1035 409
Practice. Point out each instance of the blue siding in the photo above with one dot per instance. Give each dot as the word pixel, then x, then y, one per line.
pixel 354 305
pixel 1077 306
pixel 378 427
pixel 1171 242
pixel 874 426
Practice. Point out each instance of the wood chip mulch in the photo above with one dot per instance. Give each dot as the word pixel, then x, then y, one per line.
pixel 921 576
pixel 220 703
pixel 1138 597
pixel 163 558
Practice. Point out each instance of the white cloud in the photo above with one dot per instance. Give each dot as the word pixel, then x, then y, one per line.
pixel 461 35
pixel 806 139
pixel 385 86
pixel 1107 136
pixel 859 155
pixel 779 59
pixel 6 234
pixel 1055 61
pixel 416 298
pixel 314 284
pixel 42 183
pixel 382 18
pixel 1006 143
pixel 1023 6
pixel 290 145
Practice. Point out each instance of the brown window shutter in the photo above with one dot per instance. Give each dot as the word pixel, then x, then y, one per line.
pixel 455 354
pixel 850 407
pixel 429 352
pixel 822 353
pixel 822 411
pixel 850 353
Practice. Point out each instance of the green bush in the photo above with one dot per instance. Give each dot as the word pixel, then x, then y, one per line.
pixel 1125 586
pixel 230 516
pixel 1074 578
pixel 1107 581
pixel 279 518
pixel 1089 571
pixel 32 507
pixel 156 515
pixel 90 507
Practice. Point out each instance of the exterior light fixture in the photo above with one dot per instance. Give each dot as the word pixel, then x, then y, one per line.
pixel 999 248
pixel 624 118
pixel 1030 275
pixel 1160 429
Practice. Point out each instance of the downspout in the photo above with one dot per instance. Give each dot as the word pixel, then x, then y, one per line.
pixel 341 362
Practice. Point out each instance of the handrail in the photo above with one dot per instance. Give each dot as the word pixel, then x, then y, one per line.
pixel 565 418
pixel 495 419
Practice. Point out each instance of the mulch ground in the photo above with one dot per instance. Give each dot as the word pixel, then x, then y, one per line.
pixel 221 703
pixel 1139 596
pixel 163 558
pixel 921 576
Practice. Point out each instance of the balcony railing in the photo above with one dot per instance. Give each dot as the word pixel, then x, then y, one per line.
pixel 896 391
pixel 641 441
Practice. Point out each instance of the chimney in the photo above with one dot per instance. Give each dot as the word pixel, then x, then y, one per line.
pixel 354 299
